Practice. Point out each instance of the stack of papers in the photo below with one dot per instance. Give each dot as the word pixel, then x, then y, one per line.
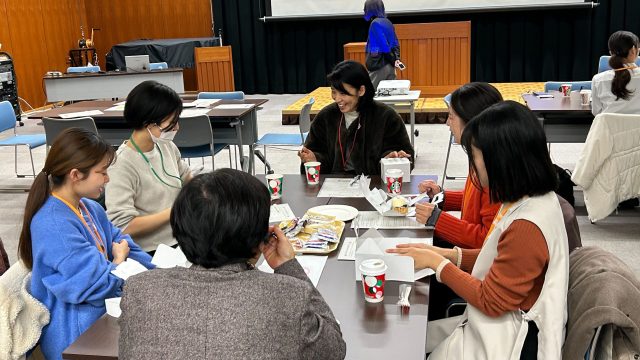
pixel 128 268
pixel 340 188
pixel 72 115
pixel 201 103
pixel 312 265
pixel 374 220
pixel 194 112
pixel 234 106
pixel 280 212
pixel 167 257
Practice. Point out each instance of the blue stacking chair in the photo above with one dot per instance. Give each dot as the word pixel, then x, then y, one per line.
pixel 158 66
pixel 83 69
pixel 575 85
pixel 225 95
pixel 280 139
pixel 603 63
pixel 8 121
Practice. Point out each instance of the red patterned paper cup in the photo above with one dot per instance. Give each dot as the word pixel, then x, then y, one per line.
pixel 373 279
pixel 566 89
pixel 312 169
pixel 394 181
pixel 274 183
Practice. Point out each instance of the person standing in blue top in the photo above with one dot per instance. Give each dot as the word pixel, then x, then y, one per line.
pixel 383 48
pixel 68 242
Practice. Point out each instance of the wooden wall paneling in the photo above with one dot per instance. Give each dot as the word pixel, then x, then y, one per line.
pixel 24 18
pixel 436 55
pixel 188 18
pixel 61 23
pixel 5 35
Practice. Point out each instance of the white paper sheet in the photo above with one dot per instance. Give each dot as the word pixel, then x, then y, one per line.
pixel 348 249
pixel 312 265
pixel 120 103
pixel 116 108
pixel 399 267
pixel 374 220
pixel 194 112
pixel 280 212
pixel 234 106
pixel 72 115
pixel 128 268
pixel 201 103
pixel 113 306
pixel 340 188
pixel 167 257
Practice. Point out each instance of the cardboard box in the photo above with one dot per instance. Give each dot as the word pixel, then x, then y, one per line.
pixel 398 163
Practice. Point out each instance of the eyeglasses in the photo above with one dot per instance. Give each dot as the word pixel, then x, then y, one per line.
pixel 170 127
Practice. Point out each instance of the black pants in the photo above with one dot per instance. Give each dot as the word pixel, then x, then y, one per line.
pixel 530 347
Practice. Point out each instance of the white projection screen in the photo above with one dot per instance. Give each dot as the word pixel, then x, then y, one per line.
pixel 328 8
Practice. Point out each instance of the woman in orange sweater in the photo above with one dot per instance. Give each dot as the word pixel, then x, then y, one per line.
pixel 477 211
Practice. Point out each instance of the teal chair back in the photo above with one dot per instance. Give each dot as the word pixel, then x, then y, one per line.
pixel 226 95
pixel 603 63
pixel 575 85
pixel 83 69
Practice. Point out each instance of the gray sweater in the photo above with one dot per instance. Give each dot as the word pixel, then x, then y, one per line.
pixel 231 312
pixel 133 190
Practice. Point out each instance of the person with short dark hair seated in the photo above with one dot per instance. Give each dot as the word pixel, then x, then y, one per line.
pixel 516 284
pixel 222 307
pixel 351 135
pixel 149 172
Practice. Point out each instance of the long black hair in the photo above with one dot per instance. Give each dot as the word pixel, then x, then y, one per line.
pixel 472 98
pixel 355 74
pixel 620 43
pixel 74 148
pixel 514 148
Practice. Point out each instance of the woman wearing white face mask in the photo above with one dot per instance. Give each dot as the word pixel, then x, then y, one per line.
pixel 149 172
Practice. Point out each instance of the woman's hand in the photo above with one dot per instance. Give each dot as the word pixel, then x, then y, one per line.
pixel 430 187
pixel 278 250
pixel 120 251
pixel 423 212
pixel 306 155
pixel 424 256
pixel 397 154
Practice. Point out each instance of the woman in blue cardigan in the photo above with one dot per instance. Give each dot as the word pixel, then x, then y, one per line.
pixel 68 242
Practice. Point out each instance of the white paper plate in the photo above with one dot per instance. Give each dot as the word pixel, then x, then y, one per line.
pixel 341 212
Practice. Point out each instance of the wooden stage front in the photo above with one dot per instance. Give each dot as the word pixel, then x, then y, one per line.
pixel 428 110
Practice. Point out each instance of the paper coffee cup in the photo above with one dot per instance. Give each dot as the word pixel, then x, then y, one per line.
pixel 566 89
pixel 312 169
pixel 373 279
pixel 394 181
pixel 274 183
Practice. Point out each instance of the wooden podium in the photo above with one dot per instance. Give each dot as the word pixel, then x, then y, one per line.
pixel 437 56
pixel 214 68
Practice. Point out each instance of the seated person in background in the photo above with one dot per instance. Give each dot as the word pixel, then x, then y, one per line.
pixel 149 172
pixel 617 90
pixel 351 135
pixel 477 209
pixel 68 242
pixel 516 284
pixel 222 307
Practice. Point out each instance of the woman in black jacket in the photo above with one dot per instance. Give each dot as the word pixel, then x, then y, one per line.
pixel 351 135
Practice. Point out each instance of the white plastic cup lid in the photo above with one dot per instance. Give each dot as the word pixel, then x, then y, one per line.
pixel 373 267
pixel 274 176
pixel 394 173
pixel 312 163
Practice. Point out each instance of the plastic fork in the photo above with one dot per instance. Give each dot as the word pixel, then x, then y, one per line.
pixel 403 302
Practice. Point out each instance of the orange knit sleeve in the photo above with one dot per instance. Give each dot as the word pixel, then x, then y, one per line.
pixel 453 200
pixel 515 278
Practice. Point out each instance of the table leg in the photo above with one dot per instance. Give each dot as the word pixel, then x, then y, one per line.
pixel 412 119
